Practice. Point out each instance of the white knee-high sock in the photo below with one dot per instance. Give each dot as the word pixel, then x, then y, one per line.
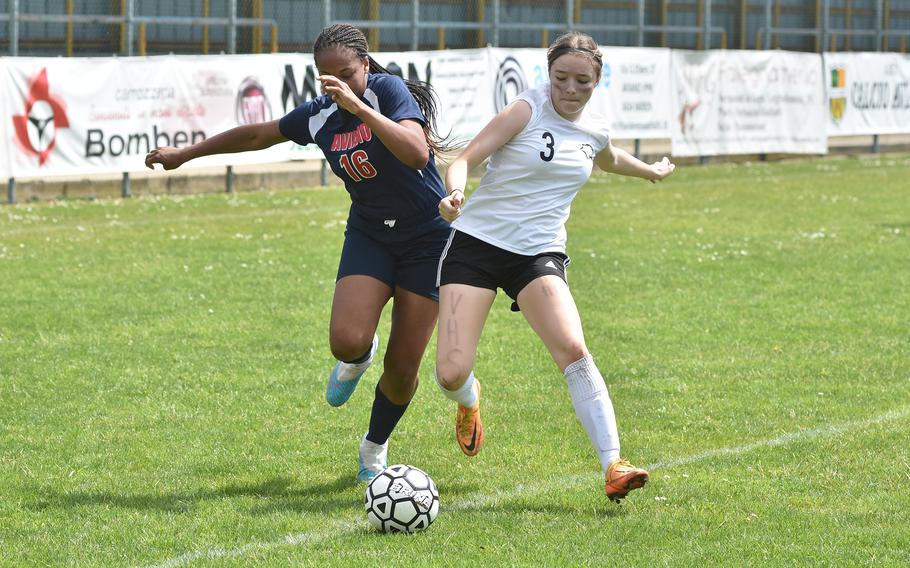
pixel 594 408
pixel 465 395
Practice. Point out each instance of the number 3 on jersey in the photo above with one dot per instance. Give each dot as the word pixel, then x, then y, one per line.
pixel 547 154
pixel 357 165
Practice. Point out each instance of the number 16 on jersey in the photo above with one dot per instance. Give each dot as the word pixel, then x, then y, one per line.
pixel 357 165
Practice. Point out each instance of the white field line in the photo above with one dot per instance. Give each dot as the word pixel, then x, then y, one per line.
pixel 799 435
pixel 490 499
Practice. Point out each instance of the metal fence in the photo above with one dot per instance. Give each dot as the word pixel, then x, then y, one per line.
pixel 130 27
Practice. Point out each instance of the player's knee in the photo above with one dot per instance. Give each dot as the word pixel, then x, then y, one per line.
pixel 451 375
pixel 349 345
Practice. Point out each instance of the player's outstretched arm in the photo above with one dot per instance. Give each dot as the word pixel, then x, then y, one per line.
pixel 618 161
pixel 240 139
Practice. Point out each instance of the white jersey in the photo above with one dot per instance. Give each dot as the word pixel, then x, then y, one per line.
pixel 523 201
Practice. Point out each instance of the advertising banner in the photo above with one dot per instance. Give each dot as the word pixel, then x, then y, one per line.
pixel 78 116
pixel 459 78
pixel 745 102
pixel 461 81
pixel 5 125
pixel 296 83
pixel 638 83
pixel 868 93
pixel 634 93
pixel 91 115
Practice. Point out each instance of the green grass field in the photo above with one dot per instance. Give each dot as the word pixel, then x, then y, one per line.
pixel 163 365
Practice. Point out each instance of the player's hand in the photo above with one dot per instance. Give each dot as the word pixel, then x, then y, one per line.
pixel 169 157
pixel 662 169
pixel 341 93
pixel 450 205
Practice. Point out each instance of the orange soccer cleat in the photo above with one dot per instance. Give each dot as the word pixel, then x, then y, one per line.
pixel 623 477
pixel 468 429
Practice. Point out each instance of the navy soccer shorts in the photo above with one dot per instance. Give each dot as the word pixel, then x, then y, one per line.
pixel 410 262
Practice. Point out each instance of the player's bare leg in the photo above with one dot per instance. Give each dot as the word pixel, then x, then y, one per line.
pixel 548 306
pixel 463 311
pixel 356 308
pixel 413 319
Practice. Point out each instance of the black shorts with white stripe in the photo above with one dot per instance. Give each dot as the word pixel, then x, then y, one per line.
pixel 469 260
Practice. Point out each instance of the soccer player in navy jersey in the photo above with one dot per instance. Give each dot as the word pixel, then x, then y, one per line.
pixel 377 132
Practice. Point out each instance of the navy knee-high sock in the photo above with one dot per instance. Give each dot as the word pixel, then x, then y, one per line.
pixel 384 418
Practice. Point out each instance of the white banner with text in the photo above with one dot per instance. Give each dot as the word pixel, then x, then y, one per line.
pixel 93 115
pixel 634 93
pixel 746 102
pixel 868 93
pixel 75 116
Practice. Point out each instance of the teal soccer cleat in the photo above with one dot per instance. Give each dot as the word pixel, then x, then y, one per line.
pixel 344 377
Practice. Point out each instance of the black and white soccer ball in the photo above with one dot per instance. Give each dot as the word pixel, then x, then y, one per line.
pixel 402 498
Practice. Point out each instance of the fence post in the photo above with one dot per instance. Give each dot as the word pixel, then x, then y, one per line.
pixel 125 185
pixel 767 38
pixel 142 43
pixel 496 16
pixel 826 13
pixel 415 31
pixel 229 180
pixel 326 12
pixel 130 10
pixel 206 9
pixel 879 18
pixel 641 23
pixel 323 173
pixel 232 26
pixel 14 28
pixel 707 25
pixel 570 14
pixel 11 191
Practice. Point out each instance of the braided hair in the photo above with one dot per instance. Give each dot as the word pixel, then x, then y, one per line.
pixel 575 42
pixel 346 35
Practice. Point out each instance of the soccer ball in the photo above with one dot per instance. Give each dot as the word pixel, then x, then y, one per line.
pixel 401 499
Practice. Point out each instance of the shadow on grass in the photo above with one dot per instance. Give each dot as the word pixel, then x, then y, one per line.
pixel 343 493
pixel 278 493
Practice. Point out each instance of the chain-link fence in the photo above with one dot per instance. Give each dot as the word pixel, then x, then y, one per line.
pixel 130 27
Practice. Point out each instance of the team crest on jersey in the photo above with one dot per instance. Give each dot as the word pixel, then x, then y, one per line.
pixel 588 151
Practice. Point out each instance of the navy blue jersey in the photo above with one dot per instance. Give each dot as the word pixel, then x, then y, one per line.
pixel 382 188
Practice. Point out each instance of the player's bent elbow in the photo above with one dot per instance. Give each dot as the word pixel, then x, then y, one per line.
pixel 419 160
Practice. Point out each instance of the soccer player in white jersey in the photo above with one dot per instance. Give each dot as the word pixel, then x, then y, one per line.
pixel 511 235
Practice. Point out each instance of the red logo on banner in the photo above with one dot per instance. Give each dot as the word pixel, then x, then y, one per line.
pixel 36 129
pixel 252 104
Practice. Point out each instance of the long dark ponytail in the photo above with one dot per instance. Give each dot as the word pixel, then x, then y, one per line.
pixel 348 36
